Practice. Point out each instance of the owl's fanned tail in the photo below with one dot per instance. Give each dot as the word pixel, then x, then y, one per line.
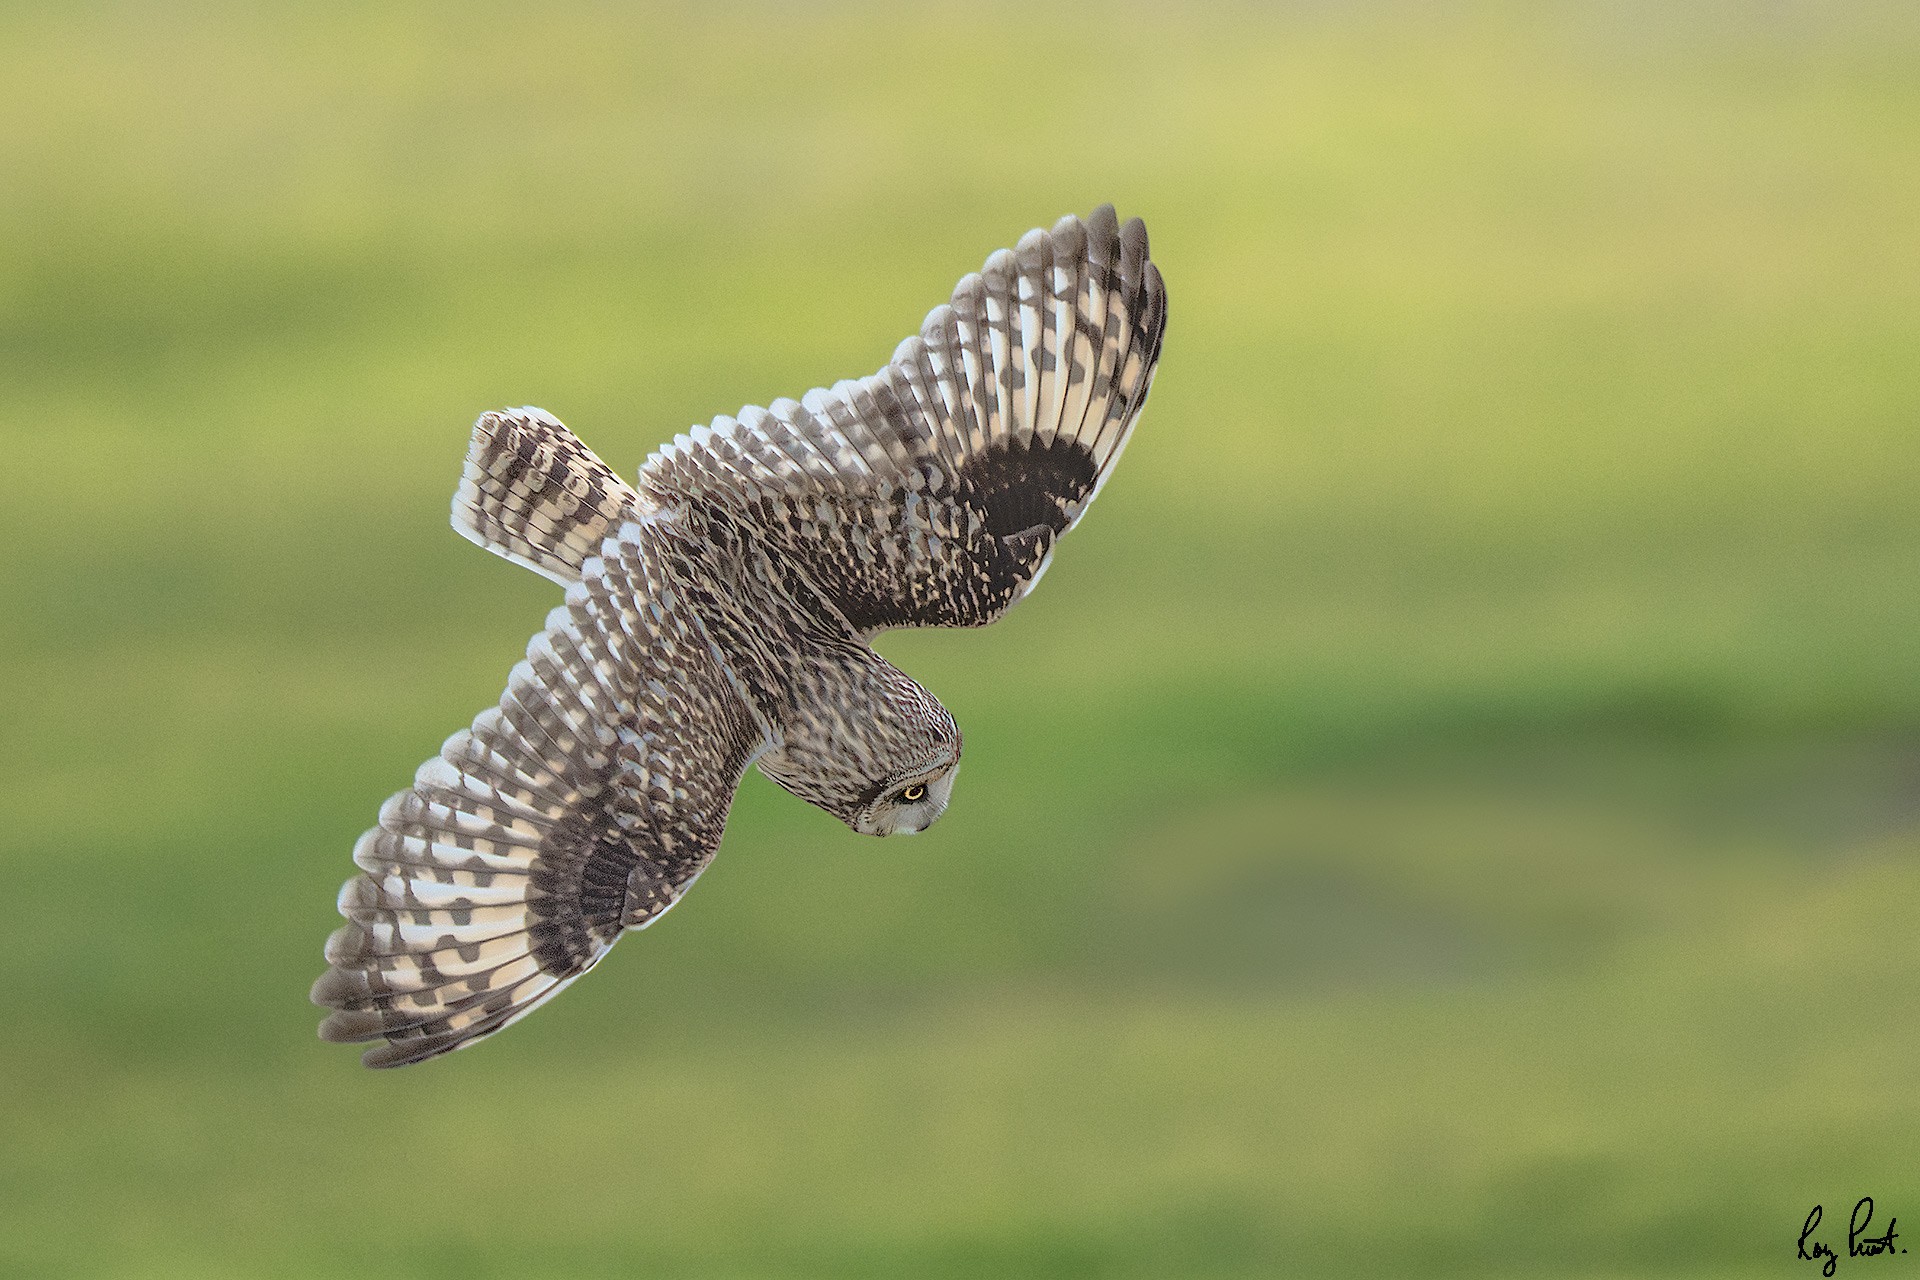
pixel 533 493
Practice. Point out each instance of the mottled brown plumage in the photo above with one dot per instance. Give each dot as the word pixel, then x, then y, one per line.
pixel 718 613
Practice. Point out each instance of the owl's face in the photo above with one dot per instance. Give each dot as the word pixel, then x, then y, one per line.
pixel 907 805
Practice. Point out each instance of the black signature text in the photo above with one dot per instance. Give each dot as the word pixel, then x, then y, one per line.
pixel 1859 1243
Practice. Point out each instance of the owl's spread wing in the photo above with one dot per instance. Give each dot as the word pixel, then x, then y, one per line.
pixel 932 492
pixel 583 805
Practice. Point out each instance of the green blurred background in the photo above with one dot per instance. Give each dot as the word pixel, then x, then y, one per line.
pixel 1453 809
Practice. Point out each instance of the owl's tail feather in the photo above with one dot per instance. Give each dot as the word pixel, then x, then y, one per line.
pixel 533 493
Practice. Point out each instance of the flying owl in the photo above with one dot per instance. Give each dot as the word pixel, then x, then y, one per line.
pixel 718 615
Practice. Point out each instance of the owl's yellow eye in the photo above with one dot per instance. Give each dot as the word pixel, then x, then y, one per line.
pixel 914 792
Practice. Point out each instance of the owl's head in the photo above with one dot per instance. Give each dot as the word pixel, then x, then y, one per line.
pixel 868 745
pixel 908 804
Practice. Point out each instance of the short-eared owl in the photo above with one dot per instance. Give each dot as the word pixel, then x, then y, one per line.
pixel 718 615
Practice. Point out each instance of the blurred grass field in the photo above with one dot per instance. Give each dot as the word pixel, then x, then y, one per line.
pixel 1454 808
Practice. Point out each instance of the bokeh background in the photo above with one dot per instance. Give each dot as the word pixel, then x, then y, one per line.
pixel 1454 807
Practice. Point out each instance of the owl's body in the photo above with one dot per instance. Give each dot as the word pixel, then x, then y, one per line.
pixel 718 614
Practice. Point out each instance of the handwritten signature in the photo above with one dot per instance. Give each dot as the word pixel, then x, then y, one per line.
pixel 1859 1243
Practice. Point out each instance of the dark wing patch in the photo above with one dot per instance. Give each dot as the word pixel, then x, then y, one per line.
pixel 1018 485
pixel 932 493
pixel 577 896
